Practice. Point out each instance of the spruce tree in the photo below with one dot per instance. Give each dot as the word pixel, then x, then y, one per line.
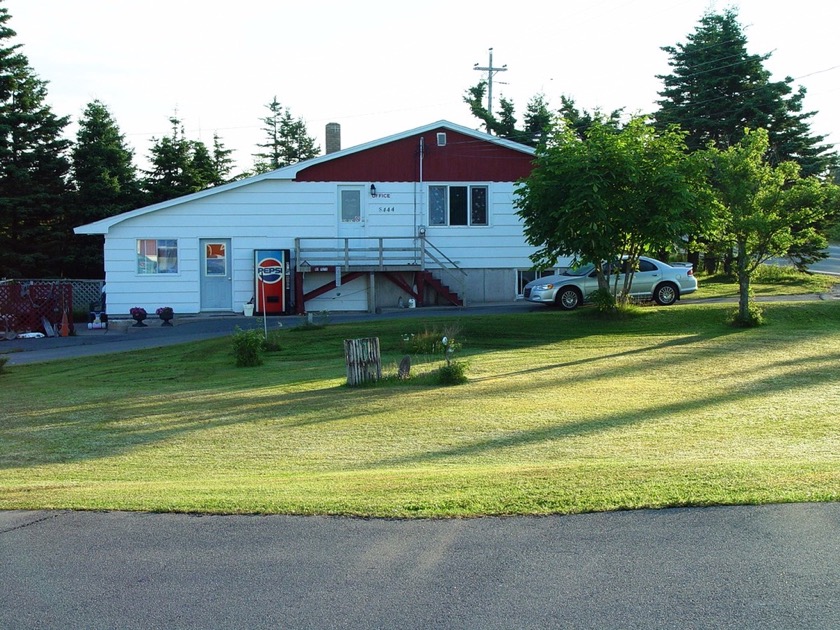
pixel 538 118
pixel 222 162
pixel 717 89
pixel 106 183
pixel 202 170
pixel 286 140
pixel 172 173
pixel 34 227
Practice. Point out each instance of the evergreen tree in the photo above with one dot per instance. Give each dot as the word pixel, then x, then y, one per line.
pixel 286 140
pixel 538 118
pixel 34 229
pixel 202 169
pixel 172 173
pixel 539 121
pixel 222 162
pixel 717 89
pixel 505 125
pixel 580 122
pixel 106 184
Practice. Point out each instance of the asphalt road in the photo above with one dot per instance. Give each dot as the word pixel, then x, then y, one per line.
pixel 768 567
pixel 830 265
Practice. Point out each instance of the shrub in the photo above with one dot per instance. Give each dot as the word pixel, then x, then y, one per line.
pixel 430 342
pixel 453 373
pixel 754 317
pixel 775 274
pixel 272 342
pixel 603 300
pixel 248 346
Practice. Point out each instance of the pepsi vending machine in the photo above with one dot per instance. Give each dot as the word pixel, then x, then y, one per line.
pixel 273 289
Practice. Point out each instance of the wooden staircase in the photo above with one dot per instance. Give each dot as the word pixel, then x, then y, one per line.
pixel 422 280
pixel 429 280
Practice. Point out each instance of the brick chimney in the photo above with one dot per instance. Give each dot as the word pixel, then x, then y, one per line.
pixel 333 137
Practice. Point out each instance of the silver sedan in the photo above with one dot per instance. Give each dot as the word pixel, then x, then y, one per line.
pixel 663 283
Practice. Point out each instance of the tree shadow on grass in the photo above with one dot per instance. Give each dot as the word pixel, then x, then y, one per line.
pixel 805 377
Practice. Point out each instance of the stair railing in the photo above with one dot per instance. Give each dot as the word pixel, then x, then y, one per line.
pixel 429 248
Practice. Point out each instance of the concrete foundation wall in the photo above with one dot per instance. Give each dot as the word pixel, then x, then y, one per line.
pixel 482 286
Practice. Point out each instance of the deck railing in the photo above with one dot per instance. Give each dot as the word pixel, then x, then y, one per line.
pixel 383 253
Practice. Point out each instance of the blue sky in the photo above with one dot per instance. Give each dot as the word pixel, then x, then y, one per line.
pixel 379 68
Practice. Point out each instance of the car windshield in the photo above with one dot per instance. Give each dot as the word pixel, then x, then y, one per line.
pixel 585 270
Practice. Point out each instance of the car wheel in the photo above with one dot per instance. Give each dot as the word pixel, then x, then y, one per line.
pixel 568 298
pixel 666 294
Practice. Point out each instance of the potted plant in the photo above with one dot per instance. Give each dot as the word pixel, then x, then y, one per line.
pixel 166 314
pixel 138 314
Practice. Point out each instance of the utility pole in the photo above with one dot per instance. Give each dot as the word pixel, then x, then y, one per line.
pixel 491 71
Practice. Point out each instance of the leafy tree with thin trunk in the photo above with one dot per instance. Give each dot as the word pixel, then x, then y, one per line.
pixel 106 184
pixel 34 169
pixel 765 209
pixel 612 195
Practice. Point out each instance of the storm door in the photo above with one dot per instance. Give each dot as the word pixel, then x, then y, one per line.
pixel 352 205
pixel 216 277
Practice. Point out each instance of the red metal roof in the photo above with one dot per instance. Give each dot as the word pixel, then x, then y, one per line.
pixel 462 159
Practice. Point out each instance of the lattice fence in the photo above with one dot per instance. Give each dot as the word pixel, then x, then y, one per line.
pixel 34 306
pixel 85 293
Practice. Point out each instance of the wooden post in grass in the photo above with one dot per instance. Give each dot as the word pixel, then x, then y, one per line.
pixel 363 360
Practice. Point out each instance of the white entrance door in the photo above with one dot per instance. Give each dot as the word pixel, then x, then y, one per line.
pixel 352 206
pixel 216 277
pixel 351 211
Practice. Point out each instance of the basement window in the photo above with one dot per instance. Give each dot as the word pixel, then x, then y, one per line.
pixel 458 205
pixel 156 256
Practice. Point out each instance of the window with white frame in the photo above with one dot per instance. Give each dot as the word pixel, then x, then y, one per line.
pixel 157 256
pixel 458 205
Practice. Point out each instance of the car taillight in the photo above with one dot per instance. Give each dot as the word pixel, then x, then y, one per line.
pixel 690 272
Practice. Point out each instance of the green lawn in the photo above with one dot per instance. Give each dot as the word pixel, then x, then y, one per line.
pixel 563 413
pixel 767 281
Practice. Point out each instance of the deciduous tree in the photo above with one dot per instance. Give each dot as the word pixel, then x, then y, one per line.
pixel 610 195
pixel 765 209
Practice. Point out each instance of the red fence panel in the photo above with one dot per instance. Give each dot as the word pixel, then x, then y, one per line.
pixel 24 306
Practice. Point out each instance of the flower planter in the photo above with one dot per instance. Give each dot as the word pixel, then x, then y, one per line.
pixel 166 314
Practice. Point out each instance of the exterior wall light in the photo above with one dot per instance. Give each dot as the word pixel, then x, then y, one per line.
pixel 372 190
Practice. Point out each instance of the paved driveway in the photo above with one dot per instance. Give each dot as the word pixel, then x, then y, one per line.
pixel 729 567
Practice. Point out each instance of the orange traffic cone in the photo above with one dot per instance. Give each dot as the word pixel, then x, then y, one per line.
pixel 65 325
